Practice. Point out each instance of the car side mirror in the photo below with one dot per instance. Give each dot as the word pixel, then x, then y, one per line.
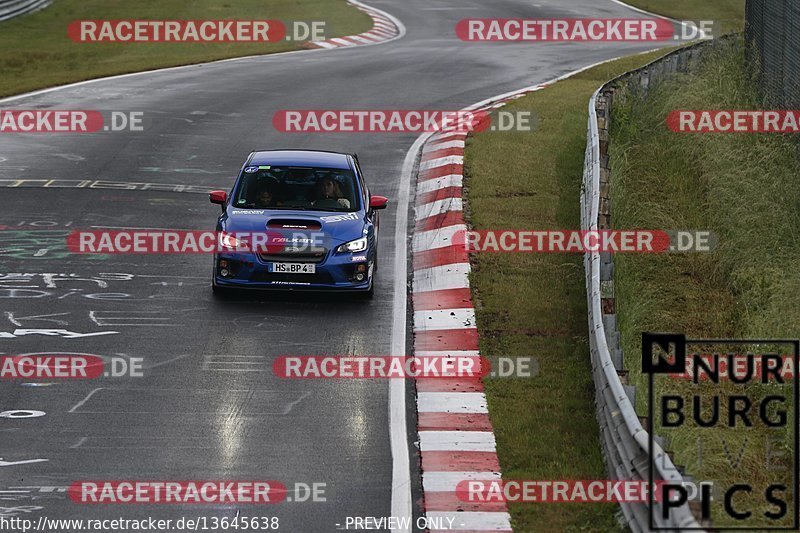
pixel 218 197
pixel 378 202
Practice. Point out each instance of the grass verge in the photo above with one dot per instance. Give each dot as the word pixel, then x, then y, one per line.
pixel 743 188
pixel 728 13
pixel 535 304
pixel 35 51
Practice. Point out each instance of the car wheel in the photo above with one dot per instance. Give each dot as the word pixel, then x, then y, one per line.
pixel 219 292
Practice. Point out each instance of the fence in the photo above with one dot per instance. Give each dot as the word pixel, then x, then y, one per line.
pixel 14 8
pixel 624 440
pixel 772 29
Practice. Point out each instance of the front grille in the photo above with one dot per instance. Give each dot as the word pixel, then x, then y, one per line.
pixel 306 256
pixel 318 277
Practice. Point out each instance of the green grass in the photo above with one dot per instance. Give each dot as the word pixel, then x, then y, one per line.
pixel 535 304
pixel 35 51
pixel 744 188
pixel 729 13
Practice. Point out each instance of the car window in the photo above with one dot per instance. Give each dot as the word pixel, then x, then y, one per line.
pixel 292 187
pixel 364 188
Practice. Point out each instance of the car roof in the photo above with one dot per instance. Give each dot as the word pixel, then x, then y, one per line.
pixel 303 158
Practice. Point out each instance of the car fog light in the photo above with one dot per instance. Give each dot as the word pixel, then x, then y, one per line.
pixel 360 276
pixel 224 272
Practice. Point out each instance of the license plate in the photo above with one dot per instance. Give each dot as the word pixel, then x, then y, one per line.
pixel 292 268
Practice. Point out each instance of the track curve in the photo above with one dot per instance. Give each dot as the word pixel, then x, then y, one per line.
pixel 208 406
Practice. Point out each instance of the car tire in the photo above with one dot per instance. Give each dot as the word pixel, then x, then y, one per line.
pixel 219 292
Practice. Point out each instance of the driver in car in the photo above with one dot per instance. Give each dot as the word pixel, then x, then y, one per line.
pixel 329 195
pixel 266 198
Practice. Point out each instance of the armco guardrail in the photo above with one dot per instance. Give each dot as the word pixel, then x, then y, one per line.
pixel 625 441
pixel 14 8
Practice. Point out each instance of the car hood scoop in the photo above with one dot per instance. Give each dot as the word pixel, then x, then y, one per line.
pixel 293 223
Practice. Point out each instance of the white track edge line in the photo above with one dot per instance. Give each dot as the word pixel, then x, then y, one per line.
pixel 401 462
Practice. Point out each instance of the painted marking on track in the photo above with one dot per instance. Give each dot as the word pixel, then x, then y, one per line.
pixel 168 361
pixel 448 481
pixel 13 511
pixel 433 147
pixel 25 462
pixel 451 402
pixel 401 464
pixel 236 363
pixel 443 182
pixel 439 207
pixel 105 184
pixel 43 488
pixel 441 319
pixel 436 238
pixel 82 402
pixel 160 276
pixel 79 443
pixel 238 402
pixel 457 441
pixel 455 276
pixel 440 162
pixel 63 333
pixel 258 321
pixel 123 319
pixel 22 413
pixel 16 320
pixel 71 157
pixel 147 443
pixel 297 401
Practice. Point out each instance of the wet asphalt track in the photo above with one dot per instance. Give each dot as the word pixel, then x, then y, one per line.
pixel 208 406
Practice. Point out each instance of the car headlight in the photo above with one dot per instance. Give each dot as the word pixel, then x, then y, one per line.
pixel 228 242
pixel 358 245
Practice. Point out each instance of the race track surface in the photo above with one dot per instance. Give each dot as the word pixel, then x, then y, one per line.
pixel 208 406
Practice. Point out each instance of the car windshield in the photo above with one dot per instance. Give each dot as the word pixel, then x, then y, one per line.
pixel 291 187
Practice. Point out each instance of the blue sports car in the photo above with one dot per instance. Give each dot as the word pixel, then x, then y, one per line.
pixel 298 219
